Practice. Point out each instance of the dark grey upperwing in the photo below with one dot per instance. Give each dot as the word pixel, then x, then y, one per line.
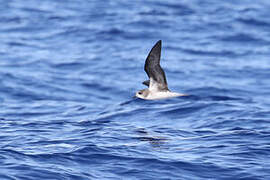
pixel 153 69
pixel 147 82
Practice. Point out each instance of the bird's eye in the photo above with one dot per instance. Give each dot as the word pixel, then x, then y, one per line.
pixel 139 93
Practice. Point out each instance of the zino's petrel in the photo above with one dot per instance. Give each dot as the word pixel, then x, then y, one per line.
pixel 157 84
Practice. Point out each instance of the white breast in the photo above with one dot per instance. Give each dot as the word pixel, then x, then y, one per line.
pixel 162 95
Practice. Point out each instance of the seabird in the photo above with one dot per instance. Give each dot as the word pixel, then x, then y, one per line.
pixel 157 83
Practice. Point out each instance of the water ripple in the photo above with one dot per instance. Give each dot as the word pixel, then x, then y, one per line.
pixel 69 70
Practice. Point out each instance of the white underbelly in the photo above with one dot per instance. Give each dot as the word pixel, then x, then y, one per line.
pixel 162 95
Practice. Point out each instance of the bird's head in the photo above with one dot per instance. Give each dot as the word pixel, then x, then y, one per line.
pixel 142 93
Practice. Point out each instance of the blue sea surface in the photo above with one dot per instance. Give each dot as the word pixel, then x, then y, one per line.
pixel 69 71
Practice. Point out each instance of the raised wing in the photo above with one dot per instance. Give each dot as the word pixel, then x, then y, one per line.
pixel 155 73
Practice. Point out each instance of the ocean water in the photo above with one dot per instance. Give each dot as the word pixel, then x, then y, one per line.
pixel 69 70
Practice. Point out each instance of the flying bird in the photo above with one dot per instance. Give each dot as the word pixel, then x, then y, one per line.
pixel 157 83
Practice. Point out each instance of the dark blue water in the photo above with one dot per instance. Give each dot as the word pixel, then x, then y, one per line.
pixel 69 69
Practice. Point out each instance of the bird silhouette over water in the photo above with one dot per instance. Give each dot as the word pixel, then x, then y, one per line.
pixel 157 83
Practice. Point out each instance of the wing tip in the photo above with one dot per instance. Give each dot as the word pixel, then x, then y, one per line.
pixel 156 48
pixel 158 43
pixel 147 82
